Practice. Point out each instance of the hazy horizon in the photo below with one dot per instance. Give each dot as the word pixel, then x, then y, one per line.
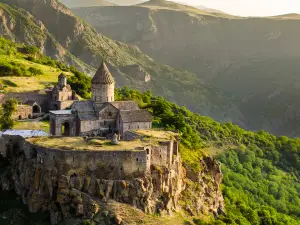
pixel 243 7
pixel 250 8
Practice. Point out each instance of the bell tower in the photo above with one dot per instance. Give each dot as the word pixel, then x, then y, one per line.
pixel 62 81
pixel 103 85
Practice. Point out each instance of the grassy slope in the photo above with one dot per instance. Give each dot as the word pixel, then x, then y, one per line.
pixel 32 83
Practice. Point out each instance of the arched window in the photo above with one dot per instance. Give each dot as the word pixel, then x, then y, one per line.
pixel 109 114
pixel 148 151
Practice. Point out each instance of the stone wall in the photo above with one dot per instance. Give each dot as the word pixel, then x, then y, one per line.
pixel 87 126
pixel 135 126
pixel 56 181
pixel 57 121
pixel 103 92
pixel 35 96
pixel 119 164
pixel 23 112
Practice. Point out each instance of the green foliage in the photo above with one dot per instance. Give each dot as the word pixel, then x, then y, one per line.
pixel 80 83
pixel 87 222
pixel 30 50
pixel 35 71
pixel 9 83
pixel 261 171
pixel 8 108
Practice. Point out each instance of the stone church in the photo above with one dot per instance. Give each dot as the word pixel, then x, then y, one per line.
pixel 101 115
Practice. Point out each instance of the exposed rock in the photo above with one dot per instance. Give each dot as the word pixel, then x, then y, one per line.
pixel 159 191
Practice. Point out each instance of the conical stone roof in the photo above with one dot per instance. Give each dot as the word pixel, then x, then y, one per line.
pixel 103 76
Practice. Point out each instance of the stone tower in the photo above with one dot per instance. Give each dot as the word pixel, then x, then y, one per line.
pixel 103 86
pixel 62 81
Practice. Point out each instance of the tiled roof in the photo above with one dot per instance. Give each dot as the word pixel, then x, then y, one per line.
pixel 26 133
pixel 103 76
pixel 125 105
pixel 142 115
pixel 83 106
pixel 85 117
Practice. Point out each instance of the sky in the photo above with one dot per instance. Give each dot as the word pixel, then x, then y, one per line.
pixel 250 7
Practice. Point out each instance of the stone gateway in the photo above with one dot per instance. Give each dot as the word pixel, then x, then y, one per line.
pixel 102 115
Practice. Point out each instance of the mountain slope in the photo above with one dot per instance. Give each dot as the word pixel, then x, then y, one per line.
pixel 130 66
pixel 254 61
pixel 85 3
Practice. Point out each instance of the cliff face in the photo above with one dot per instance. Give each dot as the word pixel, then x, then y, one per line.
pixel 162 190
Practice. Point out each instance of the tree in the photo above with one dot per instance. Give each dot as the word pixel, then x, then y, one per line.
pixel 31 50
pixel 8 108
pixel 35 71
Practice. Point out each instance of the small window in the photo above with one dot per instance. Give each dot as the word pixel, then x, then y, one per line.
pixel 148 151
pixel 109 114
pixel 121 168
pixel 137 159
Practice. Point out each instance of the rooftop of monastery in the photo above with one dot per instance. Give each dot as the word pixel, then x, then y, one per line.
pixel 103 76
pixel 79 143
pixel 157 134
pixel 147 137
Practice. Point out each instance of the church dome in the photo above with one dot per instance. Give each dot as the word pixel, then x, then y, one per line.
pixel 103 76
pixel 62 75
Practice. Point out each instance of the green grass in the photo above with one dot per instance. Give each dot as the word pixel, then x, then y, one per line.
pixel 25 83
pixel 32 125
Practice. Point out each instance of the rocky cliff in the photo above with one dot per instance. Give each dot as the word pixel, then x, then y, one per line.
pixel 163 190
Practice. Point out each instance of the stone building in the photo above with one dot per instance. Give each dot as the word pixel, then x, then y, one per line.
pixel 101 115
pixel 61 96
pixel 36 103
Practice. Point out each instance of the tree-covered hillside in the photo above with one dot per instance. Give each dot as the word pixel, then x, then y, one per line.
pixel 261 171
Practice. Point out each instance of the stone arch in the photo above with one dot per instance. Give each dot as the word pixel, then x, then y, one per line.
pixel 36 108
pixel 66 128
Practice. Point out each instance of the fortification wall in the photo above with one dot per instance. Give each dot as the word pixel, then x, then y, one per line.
pixel 119 164
pixel 35 96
